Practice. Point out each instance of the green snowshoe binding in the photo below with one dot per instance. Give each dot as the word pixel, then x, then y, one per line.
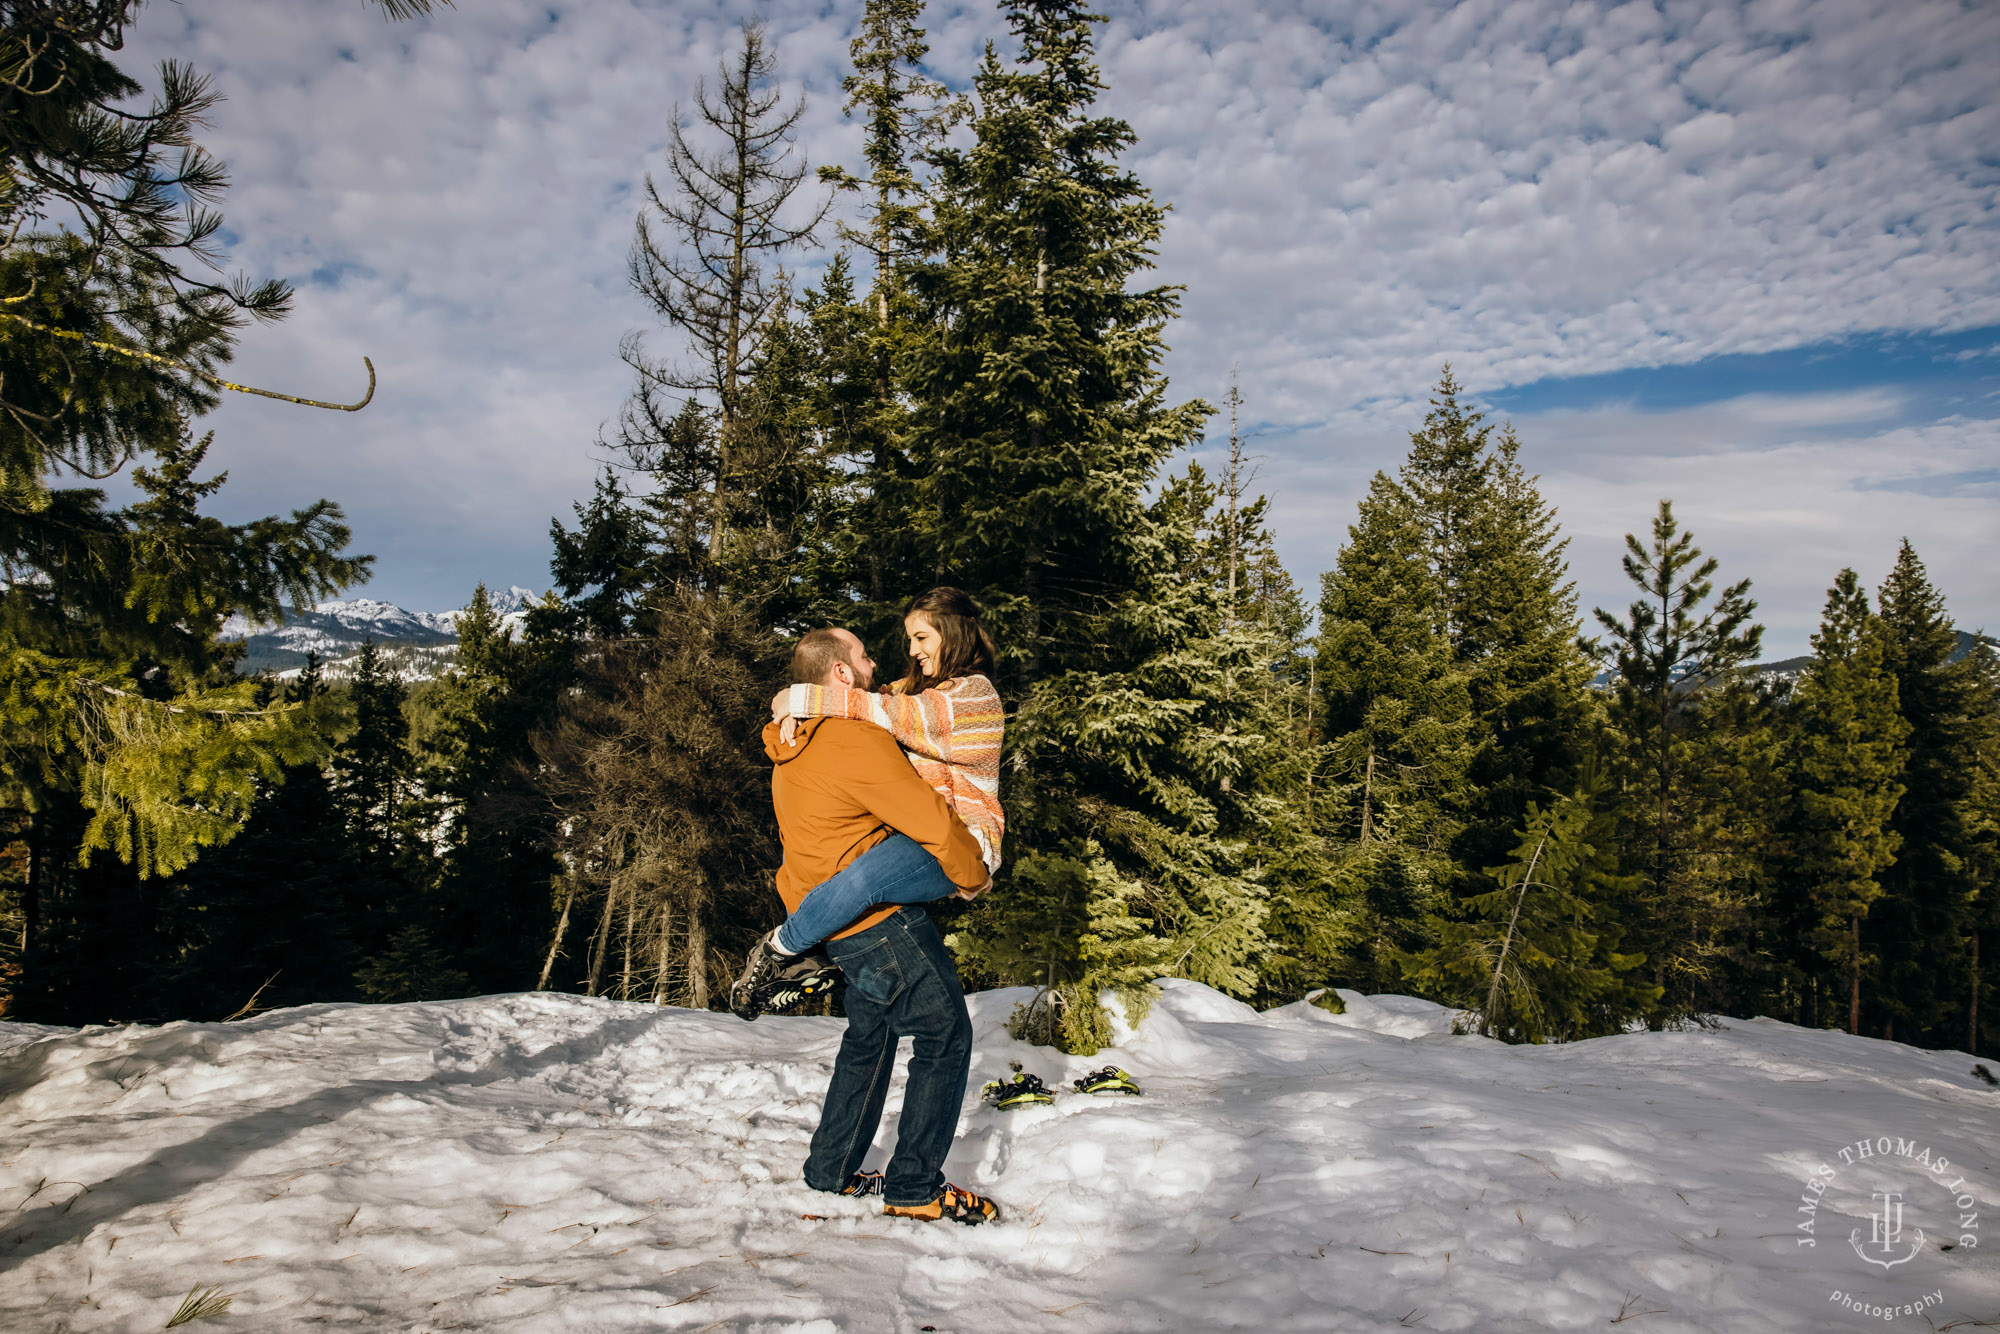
pixel 1108 1080
pixel 1023 1090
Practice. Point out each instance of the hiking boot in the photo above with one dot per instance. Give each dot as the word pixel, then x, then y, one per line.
pixel 959 1206
pixel 774 980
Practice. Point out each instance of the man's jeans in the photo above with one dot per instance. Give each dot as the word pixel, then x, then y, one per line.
pixel 896 870
pixel 900 983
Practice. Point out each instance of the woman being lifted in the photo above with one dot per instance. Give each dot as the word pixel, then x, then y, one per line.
pixel 946 715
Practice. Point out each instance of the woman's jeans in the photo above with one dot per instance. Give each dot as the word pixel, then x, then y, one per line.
pixel 901 982
pixel 896 870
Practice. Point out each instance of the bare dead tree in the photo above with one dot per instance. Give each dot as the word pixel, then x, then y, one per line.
pixel 664 797
pixel 701 245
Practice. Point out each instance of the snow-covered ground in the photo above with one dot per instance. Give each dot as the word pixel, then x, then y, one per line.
pixel 555 1163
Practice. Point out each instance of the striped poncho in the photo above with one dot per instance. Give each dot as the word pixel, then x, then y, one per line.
pixel 951 734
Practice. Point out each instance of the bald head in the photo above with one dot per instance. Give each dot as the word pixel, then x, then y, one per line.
pixel 832 657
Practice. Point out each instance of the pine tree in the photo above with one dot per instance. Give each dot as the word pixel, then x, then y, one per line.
pixel 271 915
pixel 1683 727
pixel 1397 722
pixel 660 793
pixel 374 788
pixel 1536 959
pixel 1921 928
pixel 904 112
pixel 723 217
pixel 1844 768
pixel 1982 858
pixel 492 866
pixel 1043 421
pixel 1042 426
pixel 110 339
pixel 1508 609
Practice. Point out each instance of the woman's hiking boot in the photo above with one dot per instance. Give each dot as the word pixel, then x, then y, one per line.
pixel 774 980
pixel 955 1205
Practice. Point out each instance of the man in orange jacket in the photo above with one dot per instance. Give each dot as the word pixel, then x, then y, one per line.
pixel 841 790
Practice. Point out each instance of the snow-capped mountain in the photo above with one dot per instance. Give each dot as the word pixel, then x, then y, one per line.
pixel 421 642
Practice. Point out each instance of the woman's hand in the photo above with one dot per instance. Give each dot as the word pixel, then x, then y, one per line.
pixel 970 894
pixel 788 726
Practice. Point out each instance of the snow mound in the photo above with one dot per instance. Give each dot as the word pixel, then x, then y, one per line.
pixel 549 1162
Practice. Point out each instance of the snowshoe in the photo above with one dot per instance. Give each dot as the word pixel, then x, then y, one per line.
pixel 774 981
pixel 1023 1090
pixel 813 975
pixel 954 1205
pixel 1108 1080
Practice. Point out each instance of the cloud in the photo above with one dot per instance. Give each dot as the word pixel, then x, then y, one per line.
pixel 1789 509
pixel 1528 188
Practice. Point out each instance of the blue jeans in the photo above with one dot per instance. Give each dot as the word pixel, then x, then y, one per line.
pixel 896 870
pixel 901 982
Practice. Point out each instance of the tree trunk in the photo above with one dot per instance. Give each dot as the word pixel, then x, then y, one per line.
pixel 1854 974
pixel 1507 944
pixel 1031 585
pixel 1972 1002
pixel 603 938
pixel 697 959
pixel 31 895
pixel 555 942
pixel 664 955
pixel 1368 799
pixel 625 948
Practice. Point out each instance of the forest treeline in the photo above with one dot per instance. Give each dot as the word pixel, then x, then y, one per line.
pixel 1431 775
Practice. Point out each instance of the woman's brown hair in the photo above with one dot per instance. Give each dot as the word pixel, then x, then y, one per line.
pixel 964 647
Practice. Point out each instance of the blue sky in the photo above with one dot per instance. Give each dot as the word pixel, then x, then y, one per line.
pixel 1742 255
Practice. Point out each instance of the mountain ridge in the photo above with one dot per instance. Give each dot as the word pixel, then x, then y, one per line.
pixel 419 643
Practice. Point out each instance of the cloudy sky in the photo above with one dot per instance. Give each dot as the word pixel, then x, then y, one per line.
pixel 1742 255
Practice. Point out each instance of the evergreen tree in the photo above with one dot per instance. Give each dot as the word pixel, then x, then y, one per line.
pixel 659 799
pixel 1266 719
pixel 1921 929
pixel 1983 850
pixel 1844 768
pixel 610 562
pixel 1043 417
pixel 1536 959
pixel 491 867
pixel 1684 729
pixel 383 817
pixel 1397 722
pixel 904 112
pixel 273 914
pixel 1508 609
pixel 1043 424
pixel 124 729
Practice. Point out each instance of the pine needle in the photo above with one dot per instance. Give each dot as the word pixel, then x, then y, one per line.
pixel 201 1304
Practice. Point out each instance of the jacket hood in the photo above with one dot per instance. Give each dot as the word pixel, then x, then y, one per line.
pixel 778 752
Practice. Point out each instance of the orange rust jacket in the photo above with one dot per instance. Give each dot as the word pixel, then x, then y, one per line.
pixel 844 787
